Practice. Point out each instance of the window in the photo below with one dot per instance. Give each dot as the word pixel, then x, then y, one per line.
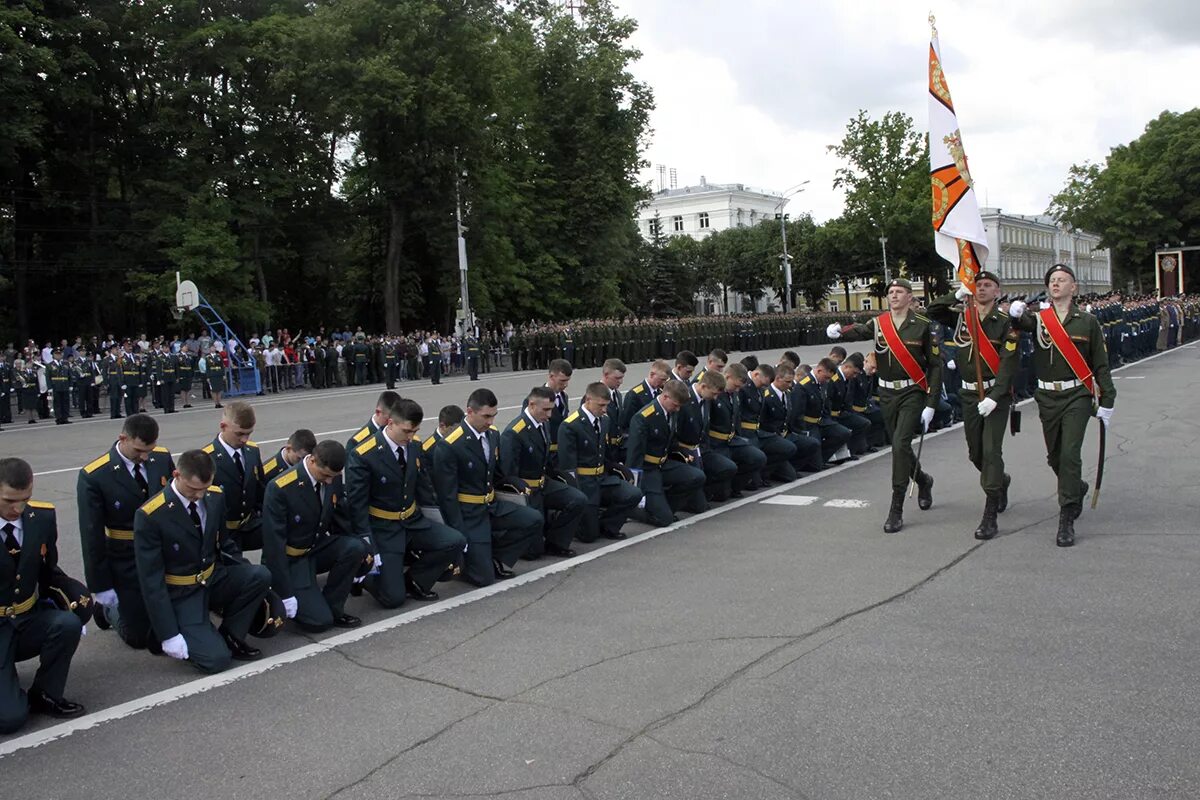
pixel 866 304
pixel 677 223
pixel 703 219
pixel 833 306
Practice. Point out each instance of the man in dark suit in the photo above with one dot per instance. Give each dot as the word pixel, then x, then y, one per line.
pixel 525 466
pixel 386 486
pixel 108 492
pixel 28 571
pixel 464 475
pixel 306 532
pixel 183 576
pixel 239 474
pixel 585 454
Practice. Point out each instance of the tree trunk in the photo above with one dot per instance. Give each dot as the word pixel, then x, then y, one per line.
pixel 391 267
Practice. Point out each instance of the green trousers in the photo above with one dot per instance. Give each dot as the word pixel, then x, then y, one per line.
pixel 1064 418
pixel 902 419
pixel 985 439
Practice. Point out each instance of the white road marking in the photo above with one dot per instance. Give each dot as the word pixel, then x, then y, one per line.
pixel 791 500
pixel 201 685
pixel 847 503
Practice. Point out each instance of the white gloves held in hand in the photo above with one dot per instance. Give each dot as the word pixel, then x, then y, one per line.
pixel 986 406
pixel 834 331
pixel 1016 308
pixel 176 647
pixel 926 418
pixel 1105 415
pixel 107 598
pixel 289 607
pixel 962 294
pixel 951 365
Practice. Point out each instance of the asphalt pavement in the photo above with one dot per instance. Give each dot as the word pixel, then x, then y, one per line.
pixel 781 646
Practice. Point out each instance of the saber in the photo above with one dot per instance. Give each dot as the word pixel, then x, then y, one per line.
pixel 1100 464
pixel 912 479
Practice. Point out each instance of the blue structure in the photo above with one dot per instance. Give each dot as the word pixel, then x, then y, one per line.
pixel 244 377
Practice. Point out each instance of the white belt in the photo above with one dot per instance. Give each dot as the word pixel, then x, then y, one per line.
pixel 971 387
pixel 1058 386
pixel 902 384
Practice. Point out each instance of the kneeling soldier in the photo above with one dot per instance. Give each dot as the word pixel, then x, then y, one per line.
pixel 663 481
pixel 305 533
pixel 692 440
pixel 724 425
pixel 29 570
pixel 524 463
pixel 299 444
pixel 176 537
pixel 586 452
pixel 386 488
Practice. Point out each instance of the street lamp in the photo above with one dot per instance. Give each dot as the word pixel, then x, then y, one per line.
pixel 464 292
pixel 787 259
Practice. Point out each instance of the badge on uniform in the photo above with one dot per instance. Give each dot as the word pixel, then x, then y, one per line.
pixel 175 547
pixel 117 504
pixel 383 478
pixel 531 448
pixel 296 518
pixel 470 465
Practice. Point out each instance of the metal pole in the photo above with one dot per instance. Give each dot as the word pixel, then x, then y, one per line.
pixel 787 266
pixel 462 256
pixel 887 273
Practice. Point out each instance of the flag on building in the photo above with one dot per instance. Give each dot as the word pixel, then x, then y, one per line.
pixel 957 227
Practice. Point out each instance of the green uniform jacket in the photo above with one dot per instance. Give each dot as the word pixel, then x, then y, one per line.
pixel 243 495
pixel 35 573
pixel 1000 332
pixel 295 520
pixel 919 338
pixel 1085 331
pixel 382 498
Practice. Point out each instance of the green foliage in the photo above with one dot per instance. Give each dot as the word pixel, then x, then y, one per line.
pixel 1146 194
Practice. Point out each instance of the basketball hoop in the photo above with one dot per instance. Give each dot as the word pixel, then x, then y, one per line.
pixel 187 296
pixel 177 313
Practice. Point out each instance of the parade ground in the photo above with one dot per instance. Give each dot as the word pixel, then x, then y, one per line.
pixel 778 646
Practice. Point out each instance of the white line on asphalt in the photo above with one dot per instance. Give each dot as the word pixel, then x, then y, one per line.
pixel 791 500
pixel 847 503
pixel 201 685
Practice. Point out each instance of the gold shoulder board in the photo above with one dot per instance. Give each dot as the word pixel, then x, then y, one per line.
pixel 97 464
pixel 286 478
pixel 154 503
pixel 365 447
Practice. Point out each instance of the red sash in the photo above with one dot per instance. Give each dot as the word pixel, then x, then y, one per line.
pixel 900 350
pixel 1062 341
pixel 986 349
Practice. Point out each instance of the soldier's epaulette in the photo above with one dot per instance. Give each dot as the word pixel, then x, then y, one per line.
pixel 921 317
pixel 161 449
pixel 519 426
pixel 154 503
pixel 647 411
pixel 494 428
pixel 766 391
pixel 251 444
pixel 208 448
pixel 97 464
pixel 806 380
pixel 286 478
pixel 365 447
pixel 835 377
pixel 454 435
pixel 40 504
pixel 270 465
pixel 215 489
pixel 362 434
pixel 429 443
pixel 574 415
pixel 639 389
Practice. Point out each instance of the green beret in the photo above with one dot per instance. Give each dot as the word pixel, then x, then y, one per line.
pixel 901 282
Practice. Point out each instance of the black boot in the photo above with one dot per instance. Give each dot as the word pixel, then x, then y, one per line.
pixel 1003 504
pixel 987 526
pixel 895 518
pixel 1077 508
pixel 925 491
pixel 1066 527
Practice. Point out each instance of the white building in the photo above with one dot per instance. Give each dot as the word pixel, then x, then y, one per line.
pixel 698 211
pixel 1022 247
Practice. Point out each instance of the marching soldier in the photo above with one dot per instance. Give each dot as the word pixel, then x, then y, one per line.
pixel 1073 384
pixel 464 471
pixel 306 533
pixel 29 571
pixel 108 492
pixel 662 480
pixel 583 453
pixel 386 487
pixel 525 465
pixel 909 369
pixel 299 444
pixel 183 576
pixel 239 474
pixel 987 349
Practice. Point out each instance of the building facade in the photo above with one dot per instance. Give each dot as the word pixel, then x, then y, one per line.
pixel 1022 247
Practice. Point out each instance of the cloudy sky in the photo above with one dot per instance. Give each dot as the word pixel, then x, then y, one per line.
pixel 752 91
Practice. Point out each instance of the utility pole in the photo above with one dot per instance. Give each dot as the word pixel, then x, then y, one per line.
pixel 462 249
pixel 887 272
pixel 787 259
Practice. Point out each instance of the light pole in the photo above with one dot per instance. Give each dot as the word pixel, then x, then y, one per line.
pixel 462 251
pixel 887 272
pixel 787 259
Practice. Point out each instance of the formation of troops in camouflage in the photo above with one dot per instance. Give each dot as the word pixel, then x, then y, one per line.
pixel 169 542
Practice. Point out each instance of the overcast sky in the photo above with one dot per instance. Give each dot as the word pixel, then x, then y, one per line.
pixel 752 91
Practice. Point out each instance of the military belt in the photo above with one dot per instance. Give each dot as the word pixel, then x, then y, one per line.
pixel 554 448
pixel 118 534
pixel 380 513
pixel 687 446
pixel 649 459
pixel 234 524
pixel 534 483
pixel 971 387
pixel 720 437
pixel 477 499
pixel 900 384
pixel 1058 386
pixel 190 580
pixel 21 607
pixel 750 426
pixel 591 471
pixel 812 420
pixel 859 409
pixel 296 552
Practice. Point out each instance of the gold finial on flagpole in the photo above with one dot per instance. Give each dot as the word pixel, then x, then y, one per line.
pixel 932 25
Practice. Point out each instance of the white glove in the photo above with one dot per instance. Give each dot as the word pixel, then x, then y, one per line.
pixel 834 331
pixel 951 365
pixel 289 607
pixel 107 598
pixel 642 502
pixel 176 647
pixel 926 418
pixel 378 563
pixel 986 406
pixel 1105 415
pixel 1043 305
pixel 123 387
pixel 962 294
pixel 1016 308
